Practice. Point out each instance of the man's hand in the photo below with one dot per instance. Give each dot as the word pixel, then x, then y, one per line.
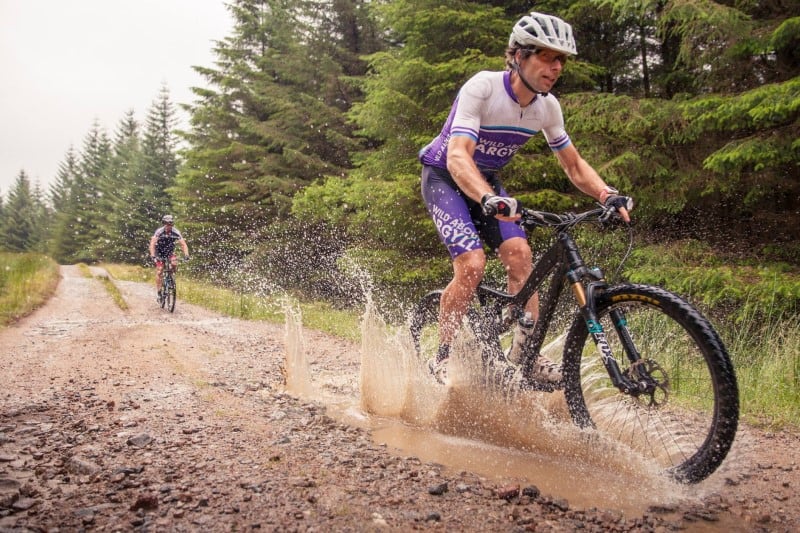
pixel 499 206
pixel 186 257
pixel 154 259
pixel 622 204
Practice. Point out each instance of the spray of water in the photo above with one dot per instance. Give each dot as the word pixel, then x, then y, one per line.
pixel 298 374
pixel 393 384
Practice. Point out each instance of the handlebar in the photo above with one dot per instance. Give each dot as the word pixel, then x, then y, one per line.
pixel 561 221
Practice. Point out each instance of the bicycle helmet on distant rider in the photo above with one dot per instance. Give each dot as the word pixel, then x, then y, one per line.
pixel 545 31
pixel 167 219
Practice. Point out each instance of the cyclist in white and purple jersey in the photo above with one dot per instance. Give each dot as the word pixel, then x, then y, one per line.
pixel 162 248
pixel 494 114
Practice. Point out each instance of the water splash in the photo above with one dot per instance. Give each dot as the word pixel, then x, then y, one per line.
pixel 298 375
pixel 474 424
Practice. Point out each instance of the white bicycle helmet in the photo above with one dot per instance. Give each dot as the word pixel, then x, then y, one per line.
pixel 546 31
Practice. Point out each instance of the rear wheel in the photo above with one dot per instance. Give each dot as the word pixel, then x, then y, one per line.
pixel 687 418
pixel 479 331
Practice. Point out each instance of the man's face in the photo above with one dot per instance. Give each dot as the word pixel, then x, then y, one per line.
pixel 543 68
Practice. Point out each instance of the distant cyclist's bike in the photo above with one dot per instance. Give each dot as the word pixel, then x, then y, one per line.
pixel 166 297
pixel 655 376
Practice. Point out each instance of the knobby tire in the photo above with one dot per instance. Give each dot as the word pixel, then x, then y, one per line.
pixel 162 299
pixel 691 429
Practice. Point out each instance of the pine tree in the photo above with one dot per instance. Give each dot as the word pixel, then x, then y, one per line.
pixel 121 193
pixel 82 222
pixel 157 174
pixel 270 125
pixel 408 95
pixel 59 189
pixel 43 218
pixel 18 232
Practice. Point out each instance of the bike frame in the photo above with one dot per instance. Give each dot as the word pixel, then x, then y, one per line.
pixel 563 263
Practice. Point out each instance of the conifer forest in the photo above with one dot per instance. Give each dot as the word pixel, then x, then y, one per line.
pixel 299 162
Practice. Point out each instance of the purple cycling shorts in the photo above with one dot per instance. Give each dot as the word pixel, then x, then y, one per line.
pixel 459 220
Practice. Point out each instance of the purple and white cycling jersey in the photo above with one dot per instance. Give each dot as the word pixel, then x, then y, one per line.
pixel 487 110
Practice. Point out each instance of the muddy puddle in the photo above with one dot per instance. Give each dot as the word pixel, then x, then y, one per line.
pixel 522 438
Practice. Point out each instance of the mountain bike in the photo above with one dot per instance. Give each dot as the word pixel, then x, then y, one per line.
pixel 166 298
pixel 656 374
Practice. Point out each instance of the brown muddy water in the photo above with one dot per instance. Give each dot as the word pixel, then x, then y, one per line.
pixel 525 438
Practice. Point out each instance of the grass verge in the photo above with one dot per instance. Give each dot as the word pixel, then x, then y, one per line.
pixel 26 282
pixel 272 308
pixel 108 284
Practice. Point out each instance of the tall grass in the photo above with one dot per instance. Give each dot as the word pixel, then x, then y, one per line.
pixel 766 356
pixel 26 282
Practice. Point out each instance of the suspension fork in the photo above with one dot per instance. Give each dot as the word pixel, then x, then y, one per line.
pixel 577 272
pixel 618 379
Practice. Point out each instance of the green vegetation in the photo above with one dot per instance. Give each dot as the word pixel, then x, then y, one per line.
pixel 766 356
pixel 26 282
pixel 741 290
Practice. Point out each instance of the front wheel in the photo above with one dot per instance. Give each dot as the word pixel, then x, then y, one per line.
pixel 162 295
pixel 169 295
pixel 685 413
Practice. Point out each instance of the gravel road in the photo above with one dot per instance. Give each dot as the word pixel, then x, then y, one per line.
pixel 142 420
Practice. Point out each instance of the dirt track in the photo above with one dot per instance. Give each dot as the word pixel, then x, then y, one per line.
pixel 149 421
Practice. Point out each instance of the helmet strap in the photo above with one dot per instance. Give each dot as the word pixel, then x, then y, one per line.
pixel 515 68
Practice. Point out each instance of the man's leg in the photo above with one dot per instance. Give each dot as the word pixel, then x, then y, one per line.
pixel 516 256
pixel 468 271
pixel 159 274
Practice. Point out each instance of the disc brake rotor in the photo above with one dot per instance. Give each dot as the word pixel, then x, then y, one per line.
pixel 653 381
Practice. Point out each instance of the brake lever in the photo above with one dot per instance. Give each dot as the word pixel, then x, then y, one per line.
pixel 610 217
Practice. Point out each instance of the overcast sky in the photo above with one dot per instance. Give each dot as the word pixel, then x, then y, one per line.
pixel 66 63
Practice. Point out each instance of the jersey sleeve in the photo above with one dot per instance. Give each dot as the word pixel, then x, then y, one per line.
pixel 554 130
pixel 471 100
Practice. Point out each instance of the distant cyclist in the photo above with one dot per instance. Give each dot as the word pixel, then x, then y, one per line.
pixel 494 114
pixel 162 248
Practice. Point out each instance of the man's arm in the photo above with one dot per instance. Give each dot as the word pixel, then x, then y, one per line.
pixel 465 172
pixel 184 247
pixel 584 177
pixel 152 246
pixel 462 167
